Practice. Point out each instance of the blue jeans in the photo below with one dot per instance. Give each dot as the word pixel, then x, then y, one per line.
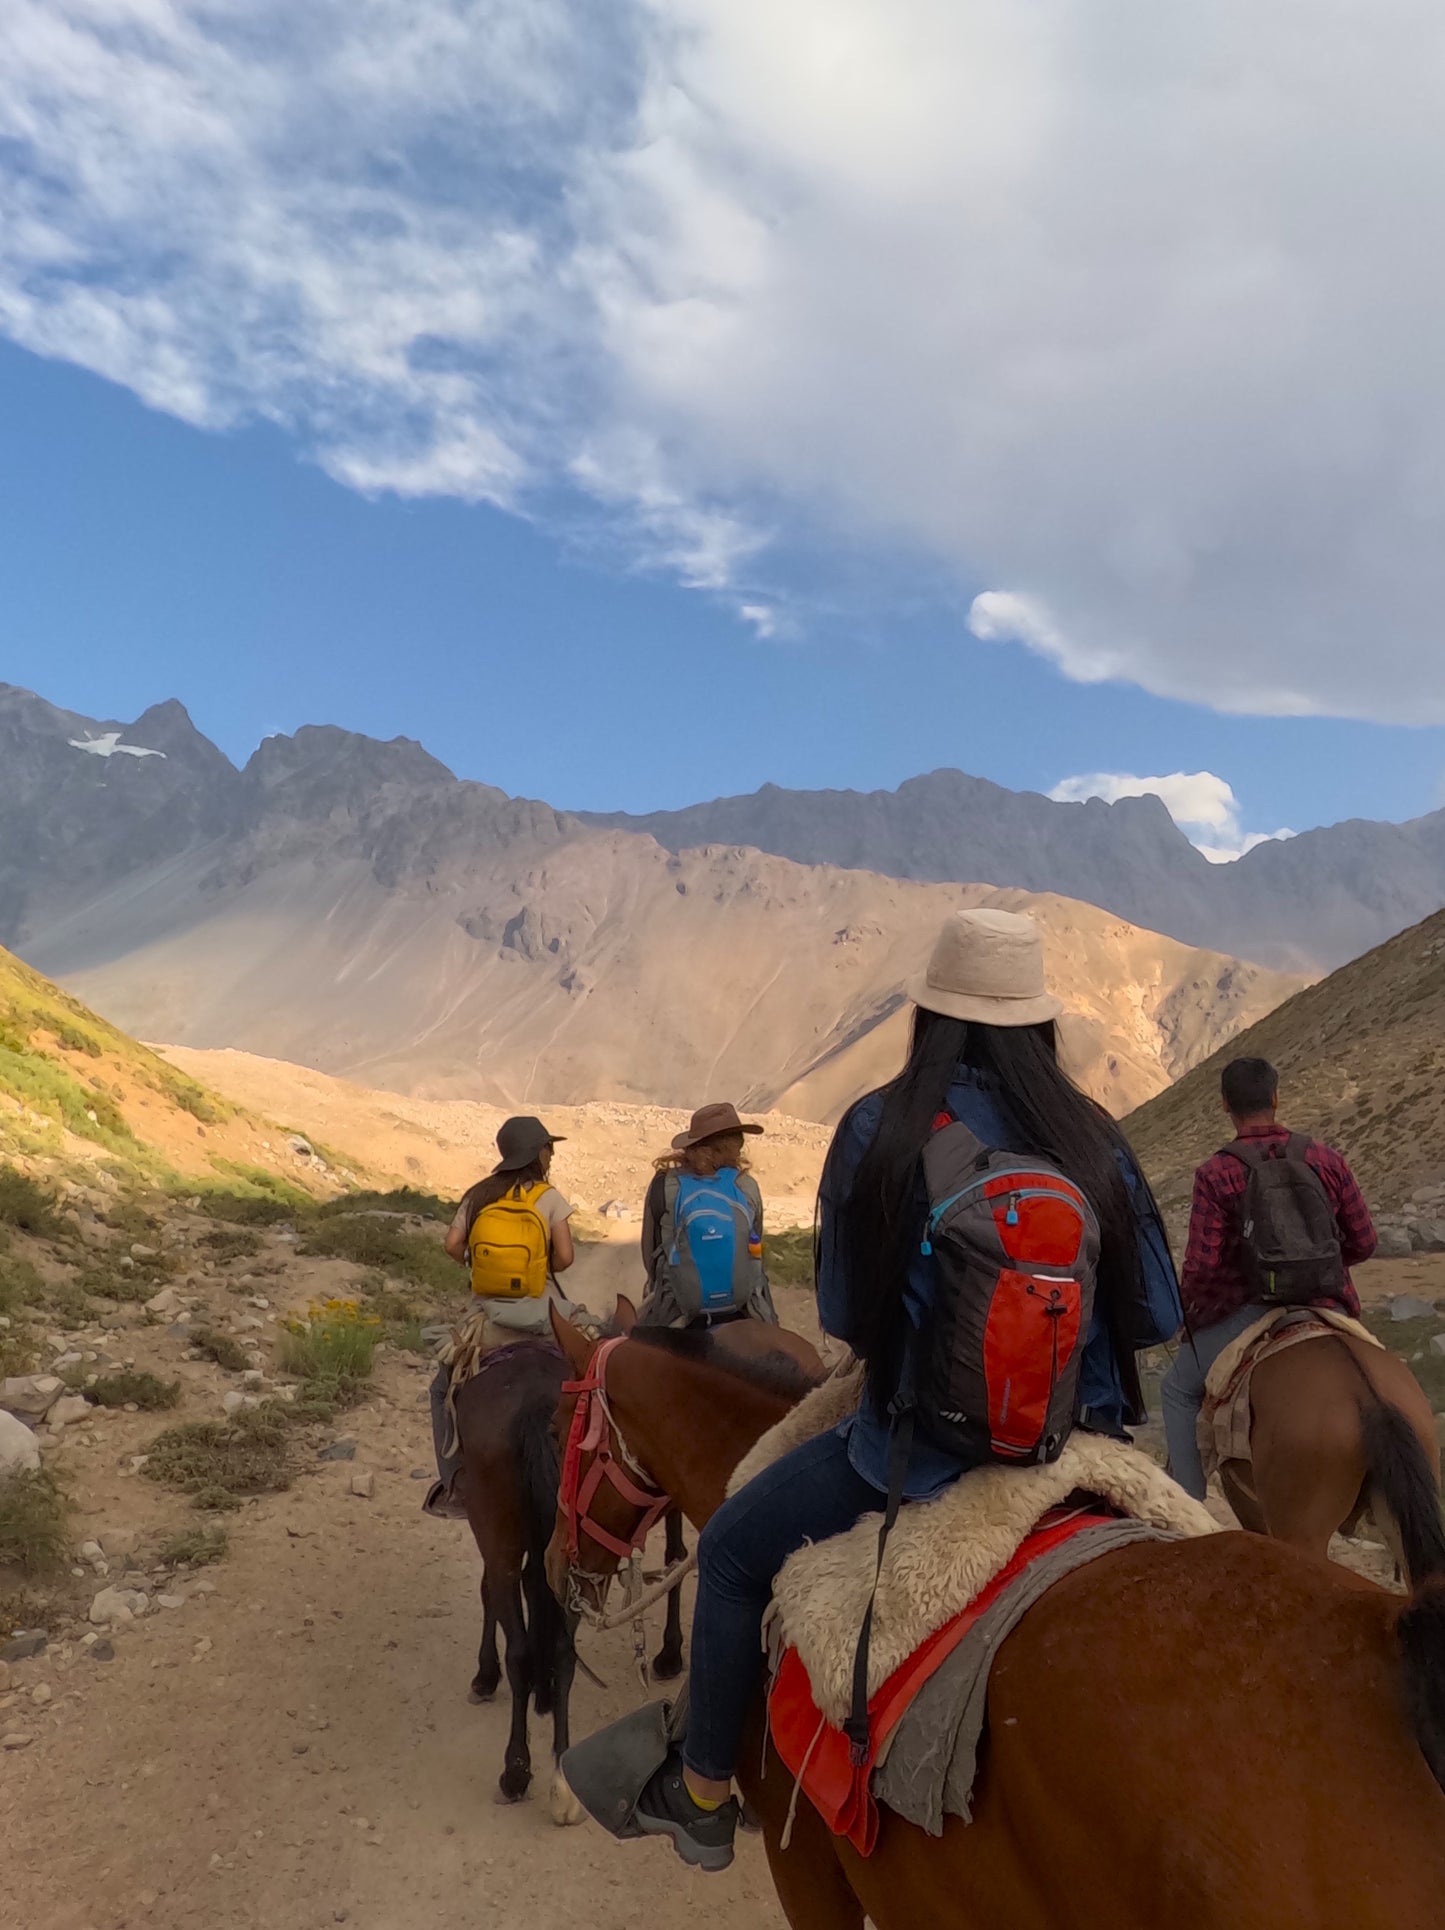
pixel 1182 1393
pixel 810 1494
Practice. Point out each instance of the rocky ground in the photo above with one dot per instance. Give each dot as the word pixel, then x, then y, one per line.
pixel 283 1736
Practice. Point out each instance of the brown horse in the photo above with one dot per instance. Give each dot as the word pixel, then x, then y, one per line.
pixel 1329 1419
pixel 508 1484
pixel 1209 1735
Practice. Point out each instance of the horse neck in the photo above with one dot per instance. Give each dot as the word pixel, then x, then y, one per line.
pixel 689 1423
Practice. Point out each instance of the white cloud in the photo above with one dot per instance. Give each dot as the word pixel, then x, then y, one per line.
pixel 763 617
pixel 1202 805
pixel 1133 310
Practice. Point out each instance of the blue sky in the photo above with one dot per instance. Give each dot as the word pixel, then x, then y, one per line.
pixel 142 559
pixel 819 397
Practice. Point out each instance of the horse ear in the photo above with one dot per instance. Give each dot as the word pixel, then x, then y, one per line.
pixel 626 1314
pixel 576 1347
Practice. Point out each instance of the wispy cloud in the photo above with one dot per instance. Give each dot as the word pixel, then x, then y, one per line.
pixel 1132 312
pixel 1202 805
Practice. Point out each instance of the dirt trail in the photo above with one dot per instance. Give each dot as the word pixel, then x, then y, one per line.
pixel 297 1748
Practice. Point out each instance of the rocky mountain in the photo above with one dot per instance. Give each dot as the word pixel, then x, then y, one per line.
pixel 349 905
pixel 1303 904
pixel 1361 1058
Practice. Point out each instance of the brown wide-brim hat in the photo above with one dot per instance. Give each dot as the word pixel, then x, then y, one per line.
pixel 987 967
pixel 709 1122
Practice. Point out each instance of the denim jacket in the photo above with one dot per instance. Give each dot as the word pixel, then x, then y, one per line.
pixel 973 1099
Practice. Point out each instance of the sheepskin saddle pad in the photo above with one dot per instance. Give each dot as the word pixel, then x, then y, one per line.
pixel 943 1552
pixel 1225 1416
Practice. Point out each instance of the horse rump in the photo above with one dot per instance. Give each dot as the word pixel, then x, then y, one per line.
pixel 1403 1481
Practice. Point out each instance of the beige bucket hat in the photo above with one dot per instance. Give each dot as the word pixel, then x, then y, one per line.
pixel 987 966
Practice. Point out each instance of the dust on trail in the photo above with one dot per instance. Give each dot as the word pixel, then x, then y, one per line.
pixel 297 1749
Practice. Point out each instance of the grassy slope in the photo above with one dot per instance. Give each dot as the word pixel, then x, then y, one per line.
pixel 1361 1058
pixel 74 1088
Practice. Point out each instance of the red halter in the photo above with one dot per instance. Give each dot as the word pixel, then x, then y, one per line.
pixel 593 1432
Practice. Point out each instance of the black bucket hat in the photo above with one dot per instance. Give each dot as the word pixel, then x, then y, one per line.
pixel 520 1140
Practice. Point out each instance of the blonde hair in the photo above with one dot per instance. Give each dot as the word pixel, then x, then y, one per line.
pixel 707 1157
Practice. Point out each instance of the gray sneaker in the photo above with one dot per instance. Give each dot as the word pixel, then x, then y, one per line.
pixel 701 1837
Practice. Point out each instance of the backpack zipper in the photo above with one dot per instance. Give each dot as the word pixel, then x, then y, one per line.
pixel 1012 1217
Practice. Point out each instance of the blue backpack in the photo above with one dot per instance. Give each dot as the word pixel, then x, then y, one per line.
pixel 712 1242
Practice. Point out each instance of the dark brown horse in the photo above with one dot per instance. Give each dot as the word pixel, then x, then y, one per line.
pixel 1329 1417
pixel 1210 1735
pixel 508 1484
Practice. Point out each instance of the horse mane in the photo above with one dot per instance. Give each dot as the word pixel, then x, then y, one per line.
pixel 776 1373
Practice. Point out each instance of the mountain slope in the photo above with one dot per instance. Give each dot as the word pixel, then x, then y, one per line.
pixel 1361 1058
pixel 350 905
pixel 1304 904
pixel 75 1088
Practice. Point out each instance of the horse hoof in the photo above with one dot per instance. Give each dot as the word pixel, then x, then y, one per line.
pixel 480 1693
pixel 564 1806
pixel 666 1668
pixel 513 1785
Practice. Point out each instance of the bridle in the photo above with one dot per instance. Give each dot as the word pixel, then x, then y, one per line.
pixel 595 1432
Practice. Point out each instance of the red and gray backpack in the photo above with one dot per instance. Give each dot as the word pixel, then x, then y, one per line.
pixel 1015 1249
pixel 1015 1252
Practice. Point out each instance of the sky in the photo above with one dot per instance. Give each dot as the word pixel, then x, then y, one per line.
pixel 642 404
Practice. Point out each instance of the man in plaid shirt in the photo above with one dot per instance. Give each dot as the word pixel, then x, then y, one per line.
pixel 1217 1296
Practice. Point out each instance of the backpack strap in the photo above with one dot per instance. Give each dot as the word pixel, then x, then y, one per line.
pixel 900 1450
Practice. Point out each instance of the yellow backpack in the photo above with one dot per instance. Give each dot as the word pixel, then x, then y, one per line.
pixel 509 1244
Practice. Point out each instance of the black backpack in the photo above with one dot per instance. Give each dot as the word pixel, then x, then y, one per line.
pixel 1289 1238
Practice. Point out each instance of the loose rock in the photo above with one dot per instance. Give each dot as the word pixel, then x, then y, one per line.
pixel 30 1396
pixel 20 1648
pixel 15 1740
pixel 363 1484
pixel 68 1409
pixel 114 1607
pixel 19 1449
pixel 1409 1306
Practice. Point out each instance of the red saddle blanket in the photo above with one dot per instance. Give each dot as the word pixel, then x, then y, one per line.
pixel 821 1757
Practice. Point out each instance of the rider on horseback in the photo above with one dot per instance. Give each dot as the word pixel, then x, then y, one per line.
pixel 511 1230
pixel 983 1056
pixel 702 1228
pixel 1224 1290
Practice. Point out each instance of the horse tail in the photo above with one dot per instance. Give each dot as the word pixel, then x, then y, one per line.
pixel 535 1446
pixel 1401 1476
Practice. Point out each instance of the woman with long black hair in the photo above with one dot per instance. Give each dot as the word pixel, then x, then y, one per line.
pixel 984 1054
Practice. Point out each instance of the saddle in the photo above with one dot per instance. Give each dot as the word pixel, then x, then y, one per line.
pixel 1225 1417
pixel 958 1569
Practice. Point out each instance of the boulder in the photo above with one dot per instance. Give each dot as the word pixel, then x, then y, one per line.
pixel 19 1449
pixel 165 1301
pixel 70 1407
pixel 1392 1241
pixel 30 1396
pixel 1437 1343
pixel 1428 1236
pixel 114 1607
pixel 1409 1306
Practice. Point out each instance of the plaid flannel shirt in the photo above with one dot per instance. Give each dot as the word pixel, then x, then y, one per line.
pixel 1212 1284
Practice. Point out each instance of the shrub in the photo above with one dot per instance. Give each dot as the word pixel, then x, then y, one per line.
pixel 401 1199
pixel 194 1547
pixel 220 1348
pixel 333 1348
pixel 789 1257
pixel 247 1209
pixel 20 1284
pixel 384 1244
pixel 133 1386
pixel 26 1204
pixel 220 1463
pixel 231 1243
pixel 33 1515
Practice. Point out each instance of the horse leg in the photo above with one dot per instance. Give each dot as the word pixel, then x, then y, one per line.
pixel 516 1777
pixel 668 1664
pixel 489 1668
pixel 564 1805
